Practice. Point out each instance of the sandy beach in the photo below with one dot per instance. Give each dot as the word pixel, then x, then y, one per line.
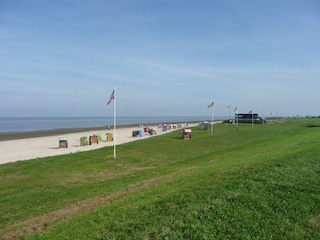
pixel 27 146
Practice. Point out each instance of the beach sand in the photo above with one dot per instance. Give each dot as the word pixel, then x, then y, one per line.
pixel 27 146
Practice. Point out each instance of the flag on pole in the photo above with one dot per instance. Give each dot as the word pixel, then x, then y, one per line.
pixel 111 98
pixel 237 115
pixel 250 112
pixel 211 105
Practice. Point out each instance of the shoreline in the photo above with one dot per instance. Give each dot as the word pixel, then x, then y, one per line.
pixel 7 136
pixel 51 132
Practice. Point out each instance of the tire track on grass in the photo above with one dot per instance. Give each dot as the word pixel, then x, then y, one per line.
pixel 40 223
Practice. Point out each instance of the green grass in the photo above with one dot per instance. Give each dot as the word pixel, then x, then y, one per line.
pixel 251 183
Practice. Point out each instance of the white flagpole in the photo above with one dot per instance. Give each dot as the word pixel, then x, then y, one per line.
pixel 252 117
pixel 114 123
pixel 237 118
pixel 212 119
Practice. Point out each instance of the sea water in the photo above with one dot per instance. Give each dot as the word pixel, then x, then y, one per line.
pixel 20 124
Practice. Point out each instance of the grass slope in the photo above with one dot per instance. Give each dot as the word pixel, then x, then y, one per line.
pixel 254 183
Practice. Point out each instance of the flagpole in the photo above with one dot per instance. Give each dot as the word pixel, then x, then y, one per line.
pixel 252 117
pixel 212 119
pixel 237 118
pixel 114 123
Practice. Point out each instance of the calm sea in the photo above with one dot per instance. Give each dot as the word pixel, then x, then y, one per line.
pixel 8 125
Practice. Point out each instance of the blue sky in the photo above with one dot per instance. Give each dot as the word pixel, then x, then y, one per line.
pixel 166 58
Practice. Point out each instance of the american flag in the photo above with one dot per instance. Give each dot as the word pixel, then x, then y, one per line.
pixel 111 98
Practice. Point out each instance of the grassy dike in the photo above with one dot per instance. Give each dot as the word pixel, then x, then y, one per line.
pixel 251 183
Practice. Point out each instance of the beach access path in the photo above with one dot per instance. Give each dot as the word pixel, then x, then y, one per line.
pixel 44 146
